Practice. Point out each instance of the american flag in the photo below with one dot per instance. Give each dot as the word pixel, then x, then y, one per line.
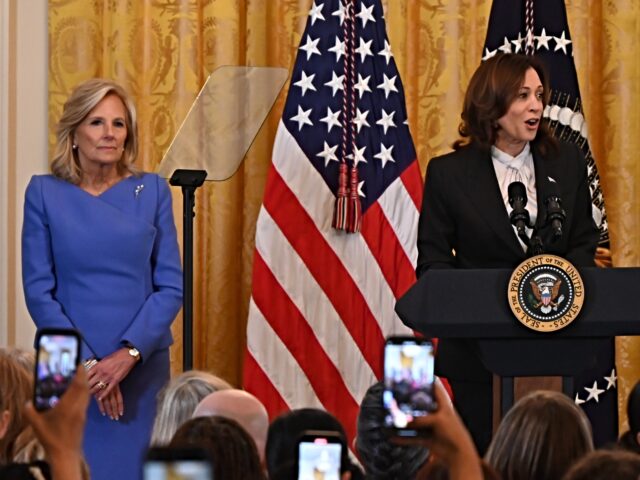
pixel 323 299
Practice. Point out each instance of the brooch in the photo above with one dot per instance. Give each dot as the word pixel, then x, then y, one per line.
pixel 138 189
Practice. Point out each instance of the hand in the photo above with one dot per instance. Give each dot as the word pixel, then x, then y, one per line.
pixel 60 429
pixel 112 404
pixel 449 439
pixel 110 371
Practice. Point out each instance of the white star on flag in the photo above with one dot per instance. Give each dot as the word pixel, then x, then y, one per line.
pixel 338 49
pixel 594 392
pixel 366 15
pixel 388 85
pixel 386 52
pixel 506 46
pixel 578 400
pixel 488 54
pixel 518 43
pixel 331 119
pixel 543 39
pixel 561 43
pixel 386 121
pixel 302 117
pixel 385 154
pixel 340 13
pixel 336 83
pixel 361 119
pixel 358 155
pixel 611 379
pixel 316 12
pixel 311 47
pixel 362 85
pixel 306 83
pixel 329 153
pixel 364 49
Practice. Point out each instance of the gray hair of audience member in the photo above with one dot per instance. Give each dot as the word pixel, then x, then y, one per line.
pixel 542 435
pixel 381 458
pixel 242 407
pixel 630 440
pixel 178 399
pixel 231 449
pixel 606 465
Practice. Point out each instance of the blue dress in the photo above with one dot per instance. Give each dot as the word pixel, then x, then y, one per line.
pixel 108 266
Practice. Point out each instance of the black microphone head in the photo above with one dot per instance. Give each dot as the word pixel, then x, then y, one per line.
pixel 517 190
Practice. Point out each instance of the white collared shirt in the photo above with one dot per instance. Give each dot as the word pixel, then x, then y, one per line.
pixel 513 169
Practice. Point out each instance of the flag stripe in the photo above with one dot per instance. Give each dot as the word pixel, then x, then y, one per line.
pixel 289 324
pixel 388 251
pixel 314 305
pixel 278 363
pixel 256 382
pixel 412 180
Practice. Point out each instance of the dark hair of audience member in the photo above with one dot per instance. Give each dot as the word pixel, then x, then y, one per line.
pixel 542 435
pixel 629 439
pixel 232 451
pixel 381 458
pixel 282 439
pixel 606 465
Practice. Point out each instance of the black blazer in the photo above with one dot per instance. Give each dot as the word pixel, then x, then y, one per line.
pixel 464 224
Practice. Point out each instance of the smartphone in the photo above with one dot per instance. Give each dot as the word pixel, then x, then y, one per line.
pixel 319 455
pixel 408 382
pixel 173 463
pixel 57 358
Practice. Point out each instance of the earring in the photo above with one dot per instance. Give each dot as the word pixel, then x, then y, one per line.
pixel 74 146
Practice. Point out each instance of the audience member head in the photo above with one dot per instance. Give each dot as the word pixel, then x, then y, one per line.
pixel 540 437
pixel 178 399
pixel 24 358
pixel 492 89
pixel 231 449
pixel 630 440
pixel 606 465
pixel 16 387
pixel 437 470
pixel 83 99
pixel 242 407
pixel 284 433
pixel 380 457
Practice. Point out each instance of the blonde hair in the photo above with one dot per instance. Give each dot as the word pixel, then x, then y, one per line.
pixel 178 400
pixel 84 98
pixel 16 385
pixel 540 438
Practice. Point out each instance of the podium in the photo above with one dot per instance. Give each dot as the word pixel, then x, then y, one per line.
pixel 472 304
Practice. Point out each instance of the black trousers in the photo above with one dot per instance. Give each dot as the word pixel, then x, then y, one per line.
pixel 474 402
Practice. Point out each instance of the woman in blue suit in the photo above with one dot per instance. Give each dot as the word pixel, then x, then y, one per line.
pixel 100 254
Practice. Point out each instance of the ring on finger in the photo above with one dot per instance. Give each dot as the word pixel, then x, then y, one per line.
pixel 101 385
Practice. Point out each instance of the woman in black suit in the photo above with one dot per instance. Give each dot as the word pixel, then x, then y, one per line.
pixel 464 221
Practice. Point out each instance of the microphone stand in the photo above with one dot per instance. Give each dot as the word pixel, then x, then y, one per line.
pixel 189 180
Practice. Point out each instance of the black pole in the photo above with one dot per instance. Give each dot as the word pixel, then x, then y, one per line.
pixel 189 180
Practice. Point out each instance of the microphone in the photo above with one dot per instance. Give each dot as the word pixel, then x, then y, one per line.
pixel 519 215
pixel 555 212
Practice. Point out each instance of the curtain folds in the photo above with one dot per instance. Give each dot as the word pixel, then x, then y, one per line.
pixel 163 50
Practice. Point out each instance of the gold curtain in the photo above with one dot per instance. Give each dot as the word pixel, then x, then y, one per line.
pixel 162 51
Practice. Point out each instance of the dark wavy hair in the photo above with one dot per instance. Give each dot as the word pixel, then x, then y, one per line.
pixel 380 458
pixel 232 450
pixel 492 89
pixel 282 439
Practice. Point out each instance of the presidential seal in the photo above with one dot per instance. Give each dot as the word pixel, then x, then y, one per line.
pixel 545 293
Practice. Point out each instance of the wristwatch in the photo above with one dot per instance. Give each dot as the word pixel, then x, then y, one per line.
pixel 134 352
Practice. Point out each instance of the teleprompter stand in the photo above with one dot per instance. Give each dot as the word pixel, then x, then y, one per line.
pixel 210 145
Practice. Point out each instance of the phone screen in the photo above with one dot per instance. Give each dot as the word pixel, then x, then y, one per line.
pixel 177 463
pixel 408 380
pixel 177 470
pixel 319 458
pixel 56 363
